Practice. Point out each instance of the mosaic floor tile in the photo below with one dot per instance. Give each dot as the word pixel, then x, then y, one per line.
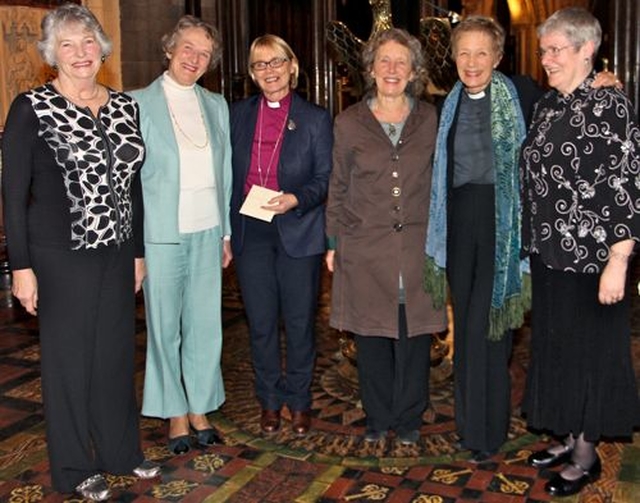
pixel 332 464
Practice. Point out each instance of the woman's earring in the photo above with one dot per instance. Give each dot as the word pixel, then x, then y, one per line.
pixel 103 58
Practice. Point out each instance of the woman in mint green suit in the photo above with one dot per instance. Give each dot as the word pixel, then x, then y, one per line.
pixel 186 181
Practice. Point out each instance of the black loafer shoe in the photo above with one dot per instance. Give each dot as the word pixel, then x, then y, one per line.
pixel 179 445
pixel 371 435
pixel 478 456
pixel 546 459
pixel 559 486
pixel 458 445
pixel 410 437
pixel 208 437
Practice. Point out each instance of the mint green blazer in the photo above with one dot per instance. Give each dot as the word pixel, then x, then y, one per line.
pixel 160 173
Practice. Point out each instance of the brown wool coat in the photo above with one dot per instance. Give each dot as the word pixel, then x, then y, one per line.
pixel 381 231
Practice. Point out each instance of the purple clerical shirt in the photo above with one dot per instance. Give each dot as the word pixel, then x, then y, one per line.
pixel 267 143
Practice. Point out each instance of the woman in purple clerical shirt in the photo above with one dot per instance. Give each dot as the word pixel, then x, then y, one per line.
pixel 282 144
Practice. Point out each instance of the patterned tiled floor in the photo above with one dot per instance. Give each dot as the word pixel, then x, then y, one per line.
pixel 332 464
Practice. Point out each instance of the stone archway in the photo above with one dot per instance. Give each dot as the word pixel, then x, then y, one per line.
pixel 526 15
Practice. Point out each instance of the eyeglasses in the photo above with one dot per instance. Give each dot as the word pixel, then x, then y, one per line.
pixel 552 51
pixel 258 66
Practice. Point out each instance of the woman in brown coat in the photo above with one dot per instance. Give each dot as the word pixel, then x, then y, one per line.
pixel 376 222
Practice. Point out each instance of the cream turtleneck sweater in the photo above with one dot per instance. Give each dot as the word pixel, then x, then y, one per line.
pixel 197 209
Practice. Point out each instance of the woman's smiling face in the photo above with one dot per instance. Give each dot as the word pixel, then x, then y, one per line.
pixel 476 58
pixel 190 57
pixel 392 69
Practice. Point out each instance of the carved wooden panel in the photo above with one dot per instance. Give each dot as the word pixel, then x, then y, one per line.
pixel 20 64
pixel 45 4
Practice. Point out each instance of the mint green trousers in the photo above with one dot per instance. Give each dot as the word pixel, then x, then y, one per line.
pixel 182 293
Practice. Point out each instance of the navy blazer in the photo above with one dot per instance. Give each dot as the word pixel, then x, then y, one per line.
pixel 303 170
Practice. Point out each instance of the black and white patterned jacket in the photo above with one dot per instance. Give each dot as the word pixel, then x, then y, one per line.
pixel 97 157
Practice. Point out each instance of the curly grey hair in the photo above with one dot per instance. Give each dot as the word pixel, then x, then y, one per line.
pixel 402 37
pixel 169 40
pixel 65 15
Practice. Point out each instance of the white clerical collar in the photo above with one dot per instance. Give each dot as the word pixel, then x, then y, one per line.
pixel 282 102
pixel 477 96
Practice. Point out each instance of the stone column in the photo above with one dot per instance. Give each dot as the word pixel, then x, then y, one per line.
pixel 231 18
pixel 322 78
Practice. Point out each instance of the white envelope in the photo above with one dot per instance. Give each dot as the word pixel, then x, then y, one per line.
pixel 255 200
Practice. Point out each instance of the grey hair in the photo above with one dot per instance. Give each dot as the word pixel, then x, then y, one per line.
pixel 62 16
pixel 279 45
pixel 575 23
pixel 481 24
pixel 170 39
pixel 402 37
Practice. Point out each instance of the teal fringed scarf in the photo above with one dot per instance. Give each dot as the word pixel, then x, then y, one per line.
pixel 511 295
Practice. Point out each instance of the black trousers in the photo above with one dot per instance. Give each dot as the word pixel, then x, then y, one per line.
pixel 481 367
pixel 86 310
pixel 273 284
pixel 394 378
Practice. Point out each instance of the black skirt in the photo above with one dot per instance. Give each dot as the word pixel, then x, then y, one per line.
pixel 581 377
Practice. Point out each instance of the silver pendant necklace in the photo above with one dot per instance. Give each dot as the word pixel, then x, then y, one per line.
pixel 391 129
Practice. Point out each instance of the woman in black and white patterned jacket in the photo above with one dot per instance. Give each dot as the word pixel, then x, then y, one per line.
pixel 72 151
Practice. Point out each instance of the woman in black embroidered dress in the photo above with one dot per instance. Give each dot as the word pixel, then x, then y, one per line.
pixel 581 171
pixel 71 155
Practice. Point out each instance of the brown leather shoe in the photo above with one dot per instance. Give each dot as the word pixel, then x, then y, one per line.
pixel 300 422
pixel 270 420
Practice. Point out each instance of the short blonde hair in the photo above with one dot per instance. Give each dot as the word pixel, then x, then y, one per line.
pixel 278 44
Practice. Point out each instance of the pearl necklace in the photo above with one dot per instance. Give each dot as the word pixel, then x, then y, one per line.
pixel 174 119
pixel 263 181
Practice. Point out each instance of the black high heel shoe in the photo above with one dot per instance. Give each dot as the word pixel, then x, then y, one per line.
pixel 207 437
pixel 559 486
pixel 179 445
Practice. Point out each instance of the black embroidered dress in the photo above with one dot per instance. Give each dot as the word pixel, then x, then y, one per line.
pixel 581 183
